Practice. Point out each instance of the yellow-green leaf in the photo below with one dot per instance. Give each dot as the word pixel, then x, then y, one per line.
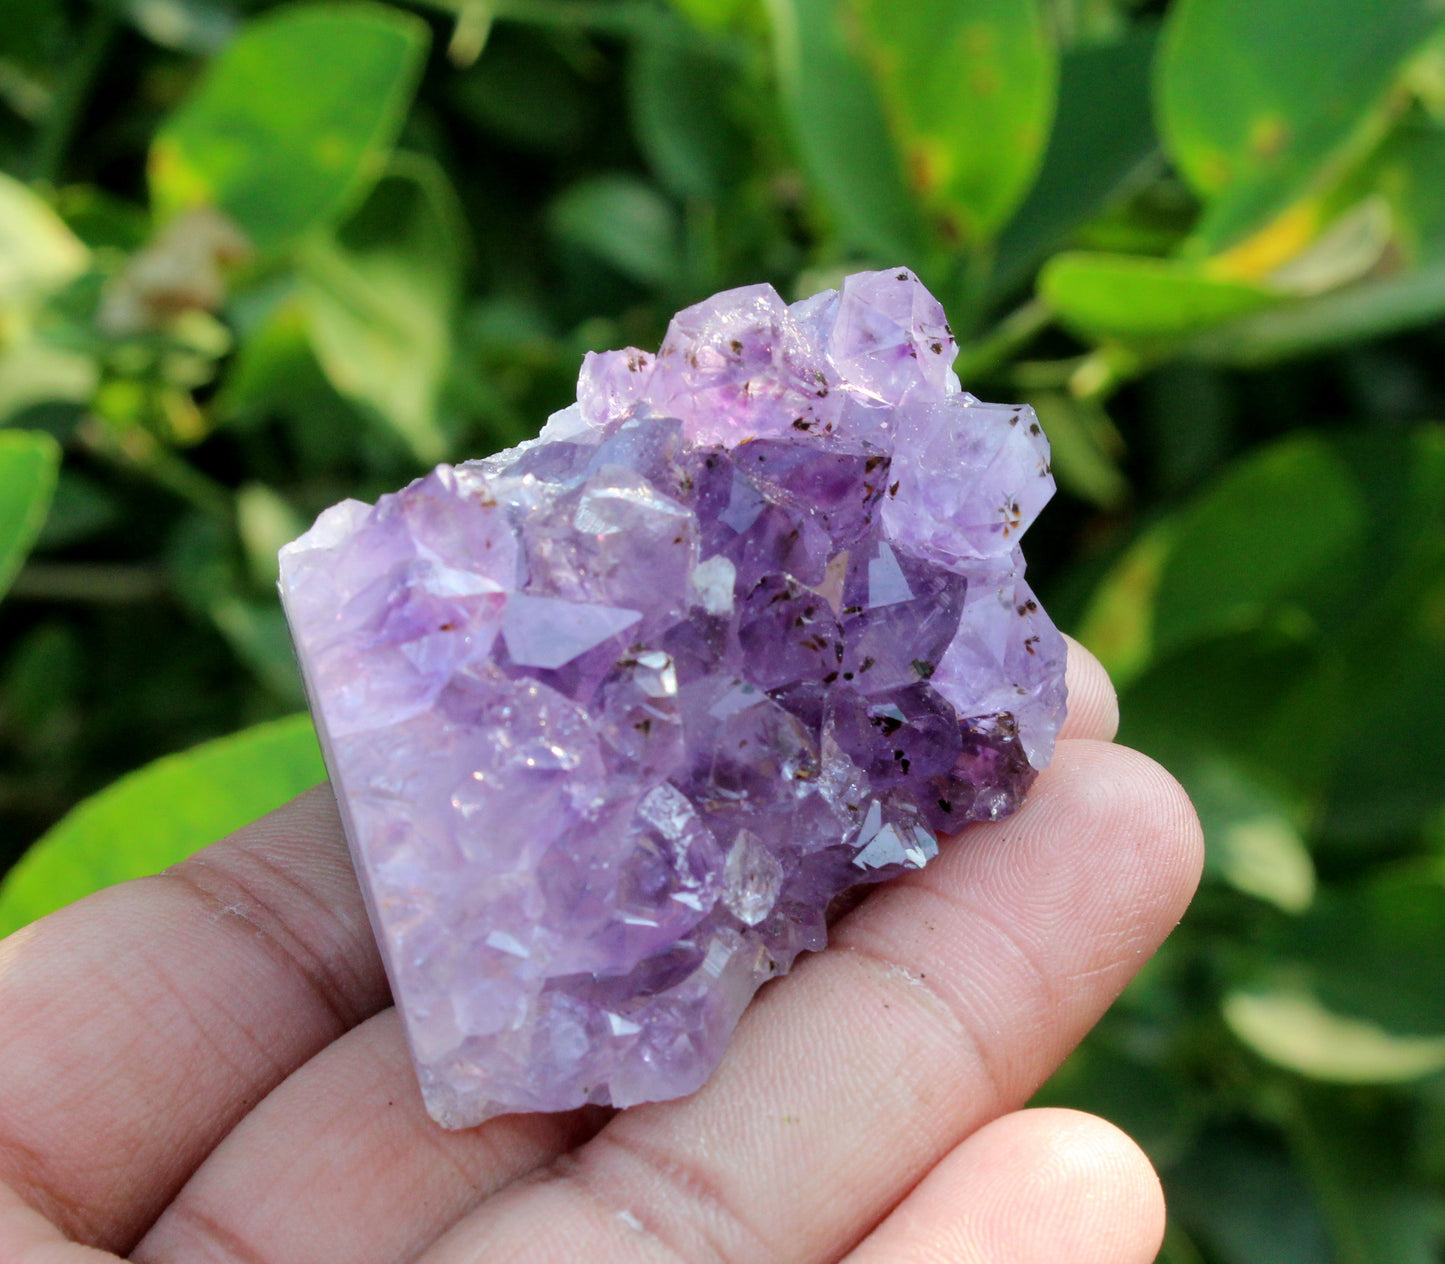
pixel 1139 299
pixel 1261 103
pixel 293 121
pixel 38 253
pixel 969 89
pixel 1292 1029
pixel 160 814
pixel 379 294
pixel 29 463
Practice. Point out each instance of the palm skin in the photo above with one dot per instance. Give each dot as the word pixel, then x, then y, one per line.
pixel 203 1068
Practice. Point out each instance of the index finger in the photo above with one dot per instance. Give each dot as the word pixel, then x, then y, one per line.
pixel 143 1022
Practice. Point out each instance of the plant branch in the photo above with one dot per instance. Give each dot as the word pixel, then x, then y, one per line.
pixel 1015 331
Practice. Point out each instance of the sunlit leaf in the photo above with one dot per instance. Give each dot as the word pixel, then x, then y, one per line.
pixel 190 26
pixel 293 121
pixel 1141 299
pixel 1293 1030
pixel 1346 250
pixel 1258 104
pixel 160 814
pixel 1252 838
pixel 1371 309
pixel 33 372
pixel 28 465
pixel 968 86
pixel 379 296
pixel 38 253
pixel 265 521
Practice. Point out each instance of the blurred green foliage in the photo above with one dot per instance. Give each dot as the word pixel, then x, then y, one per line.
pixel 257 256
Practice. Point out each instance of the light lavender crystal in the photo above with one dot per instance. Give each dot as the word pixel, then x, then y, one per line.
pixel 613 716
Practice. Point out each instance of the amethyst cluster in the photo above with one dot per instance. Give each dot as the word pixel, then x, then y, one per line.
pixel 614 715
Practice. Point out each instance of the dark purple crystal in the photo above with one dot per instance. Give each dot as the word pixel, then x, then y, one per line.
pixel 614 715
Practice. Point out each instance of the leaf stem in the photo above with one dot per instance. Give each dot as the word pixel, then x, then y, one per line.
pixel 94 582
pixel 1016 330
pixel 139 450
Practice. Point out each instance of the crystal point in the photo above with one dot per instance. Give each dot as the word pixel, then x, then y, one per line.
pixel 614 715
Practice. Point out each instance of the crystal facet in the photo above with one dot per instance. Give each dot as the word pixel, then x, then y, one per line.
pixel 614 715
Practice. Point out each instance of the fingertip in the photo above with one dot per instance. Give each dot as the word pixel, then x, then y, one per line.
pixel 1032 1187
pixel 1093 704
pixel 1083 1151
pixel 1095 1180
pixel 1119 799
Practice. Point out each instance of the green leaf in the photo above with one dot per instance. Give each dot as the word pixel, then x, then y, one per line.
pixel 33 371
pixel 1251 545
pixel 1140 299
pixel 1238 1192
pixel 294 120
pixel 29 462
pixel 1260 104
pixel 38 253
pixel 679 98
pixel 265 521
pixel 713 14
pixel 1377 953
pixel 524 91
pixel 33 37
pixel 623 221
pixel 968 87
pixel 1360 1156
pixel 839 127
pixel 1293 606
pixel 162 813
pixel 257 632
pixel 1391 785
pixel 379 296
pixel 1209 715
pixel 81 509
pixel 1102 137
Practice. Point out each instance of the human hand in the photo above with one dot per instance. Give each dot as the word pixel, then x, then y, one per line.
pixel 202 1068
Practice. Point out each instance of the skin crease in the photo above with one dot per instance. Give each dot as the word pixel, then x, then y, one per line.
pixel 202 1067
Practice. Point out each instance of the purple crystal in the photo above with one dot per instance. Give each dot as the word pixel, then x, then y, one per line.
pixel 614 715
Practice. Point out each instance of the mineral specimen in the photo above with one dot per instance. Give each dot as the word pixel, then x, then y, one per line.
pixel 614 715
